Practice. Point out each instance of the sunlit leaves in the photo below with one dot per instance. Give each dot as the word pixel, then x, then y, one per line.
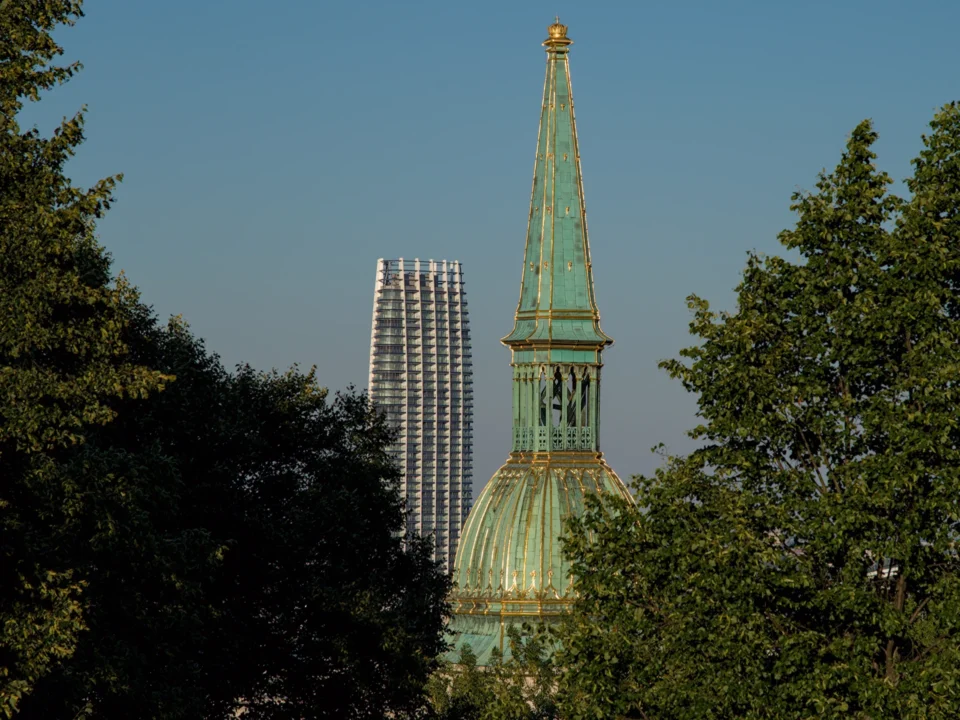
pixel 63 361
pixel 803 562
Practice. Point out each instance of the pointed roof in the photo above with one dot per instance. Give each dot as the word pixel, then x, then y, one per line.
pixel 557 304
pixel 510 567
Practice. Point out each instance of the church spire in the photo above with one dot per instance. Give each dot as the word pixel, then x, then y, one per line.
pixel 557 305
pixel 510 567
pixel 556 341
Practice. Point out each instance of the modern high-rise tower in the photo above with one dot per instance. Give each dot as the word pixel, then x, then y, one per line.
pixel 421 376
pixel 509 568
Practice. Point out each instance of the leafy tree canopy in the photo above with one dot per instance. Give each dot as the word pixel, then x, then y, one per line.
pixel 521 687
pixel 63 362
pixel 262 566
pixel 802 563
pixel 176 540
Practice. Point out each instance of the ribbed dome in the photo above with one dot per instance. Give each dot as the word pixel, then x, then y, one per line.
pixel 509 568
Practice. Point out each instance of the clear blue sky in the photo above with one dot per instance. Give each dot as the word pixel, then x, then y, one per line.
pixel 274 150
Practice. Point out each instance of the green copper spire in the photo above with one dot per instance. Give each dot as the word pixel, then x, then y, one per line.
pixel 509 568
pixel 556 340
pixel 557 303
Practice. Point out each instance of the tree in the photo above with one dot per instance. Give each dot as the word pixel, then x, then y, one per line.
pixel 233 541
pixel 462 691
pixel 263 569
pixel 802 562
pixel 341 617
pixel 521 687
pixel 63 362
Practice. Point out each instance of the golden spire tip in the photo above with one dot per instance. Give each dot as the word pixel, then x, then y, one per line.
pixel 557 35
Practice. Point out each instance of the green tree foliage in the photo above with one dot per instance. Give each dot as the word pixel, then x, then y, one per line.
pixel 232 542
pixel 802 563
pixel 461 691
pixel 520 687
pixel 260 565
pixel 64 365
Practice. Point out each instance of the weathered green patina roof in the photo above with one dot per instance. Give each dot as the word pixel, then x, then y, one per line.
pixel 557 303
pixel 509 565
pixel 509 568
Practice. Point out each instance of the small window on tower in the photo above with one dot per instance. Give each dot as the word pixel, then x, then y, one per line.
pixel 543 400
pixel 585 401
pixel 557 397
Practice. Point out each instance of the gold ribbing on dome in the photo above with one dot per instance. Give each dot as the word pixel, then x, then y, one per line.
pixel 557 36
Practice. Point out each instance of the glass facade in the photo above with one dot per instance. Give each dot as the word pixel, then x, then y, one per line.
pixel 421 376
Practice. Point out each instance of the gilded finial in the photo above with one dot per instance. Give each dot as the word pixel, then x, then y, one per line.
pixel 557 36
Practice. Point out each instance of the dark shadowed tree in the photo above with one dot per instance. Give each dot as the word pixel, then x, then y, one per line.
pixel 803 562
pixel 63 363
pixel 263 567
pixel 232 541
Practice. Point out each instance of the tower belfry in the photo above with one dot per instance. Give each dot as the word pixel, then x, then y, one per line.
pixel 508 567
